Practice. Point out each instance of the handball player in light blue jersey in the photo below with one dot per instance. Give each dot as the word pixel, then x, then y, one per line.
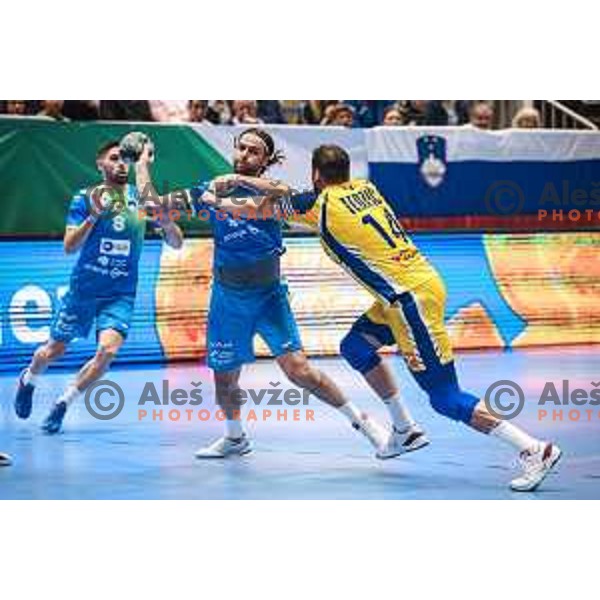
pixel 106 224
pixel 249 297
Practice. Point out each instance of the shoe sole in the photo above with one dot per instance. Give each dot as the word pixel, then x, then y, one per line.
pixel 221 456
pixel 422 444
pixel 535 487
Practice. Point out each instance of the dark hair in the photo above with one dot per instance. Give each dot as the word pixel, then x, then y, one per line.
pixel 274 156
pixel 106 147
pixel 203 103
pixel 332 162
pixel 393 107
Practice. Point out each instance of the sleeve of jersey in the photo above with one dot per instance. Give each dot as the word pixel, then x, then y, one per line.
pixel 78 211
pixel 196 193
pixel 299 207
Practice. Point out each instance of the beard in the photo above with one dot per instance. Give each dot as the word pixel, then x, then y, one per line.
pixel 120 178
pixel 240 168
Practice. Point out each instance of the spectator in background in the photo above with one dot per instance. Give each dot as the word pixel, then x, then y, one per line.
pixel 196 111
pixel 481 115
pixel 125 110
pixel 16 108
pixel 52 109
pixel 392 115
pixel 81 110
pixel 339 114
pixel 413 111
pixel 314 110
pixel 245 112
pixel 293 111
pixel 269 111
pixel 169 111
pixel 219 112
pixel 446 112
pixel 527 118
pixel 367 113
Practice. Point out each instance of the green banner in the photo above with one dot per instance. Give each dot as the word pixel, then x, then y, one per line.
pixel 43 163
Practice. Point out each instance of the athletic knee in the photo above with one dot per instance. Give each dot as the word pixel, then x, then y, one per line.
pixel 359 353
pixel 300 373
pixel 453 403
pixel 104 356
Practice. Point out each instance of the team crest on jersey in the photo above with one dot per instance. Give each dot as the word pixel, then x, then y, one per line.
pixel 432 159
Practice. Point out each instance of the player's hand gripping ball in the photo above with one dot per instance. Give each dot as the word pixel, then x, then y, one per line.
pixel 132 146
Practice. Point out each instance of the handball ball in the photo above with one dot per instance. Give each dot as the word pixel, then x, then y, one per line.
pixel 132 146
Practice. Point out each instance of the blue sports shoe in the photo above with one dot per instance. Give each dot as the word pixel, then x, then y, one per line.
pixel 24 398
pixel 53 422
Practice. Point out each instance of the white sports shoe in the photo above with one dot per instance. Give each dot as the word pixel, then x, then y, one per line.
pixel 536 465
pixel 225 447
pixel 373 431
pixel 399 443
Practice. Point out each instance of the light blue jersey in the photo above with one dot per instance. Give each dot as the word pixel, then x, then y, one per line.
pixel 108 260
pixel 248 296
pixel 239 241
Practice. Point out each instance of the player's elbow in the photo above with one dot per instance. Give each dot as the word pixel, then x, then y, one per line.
pixel 176 243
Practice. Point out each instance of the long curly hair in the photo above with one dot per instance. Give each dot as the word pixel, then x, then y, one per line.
pixel 275 156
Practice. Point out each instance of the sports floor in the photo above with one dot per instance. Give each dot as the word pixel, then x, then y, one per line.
pixel 129 458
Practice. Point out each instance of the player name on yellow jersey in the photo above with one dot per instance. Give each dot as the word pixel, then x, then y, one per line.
pixel 360 231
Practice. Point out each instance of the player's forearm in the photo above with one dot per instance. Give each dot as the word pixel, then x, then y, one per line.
pixel 173 235
pixel 255 207
pixel 76 236
pixel 262 185
pixel 148 194
pixel 150 199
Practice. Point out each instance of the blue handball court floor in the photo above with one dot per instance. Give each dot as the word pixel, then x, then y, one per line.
pixel 309 455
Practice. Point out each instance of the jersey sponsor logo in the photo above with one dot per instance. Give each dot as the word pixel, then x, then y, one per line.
pixel 112 247
pixel 116 272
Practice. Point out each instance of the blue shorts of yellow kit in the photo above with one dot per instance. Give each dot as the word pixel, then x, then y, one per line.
pixel 415 323
pixel 77 313
pixel 236 315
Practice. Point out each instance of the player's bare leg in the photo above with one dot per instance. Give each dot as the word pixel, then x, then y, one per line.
pixel 537 457
pixel 301 373
pixel 359 348
pixel 46 354
pixel 109 344
pixel 235 441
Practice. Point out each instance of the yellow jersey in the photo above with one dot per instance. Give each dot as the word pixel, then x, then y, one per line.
pixel 360 231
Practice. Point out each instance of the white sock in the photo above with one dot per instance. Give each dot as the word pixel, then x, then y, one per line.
pixel 400 415
pixel 368 426
pixel 233 428
pixel 350 410
pixel 30 378
pixel 515 436
pixel 69 395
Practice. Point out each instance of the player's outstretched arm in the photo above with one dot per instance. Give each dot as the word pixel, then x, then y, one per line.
pixel 172 234
pixel 258 185
pixel 145 186
pixel 254 207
